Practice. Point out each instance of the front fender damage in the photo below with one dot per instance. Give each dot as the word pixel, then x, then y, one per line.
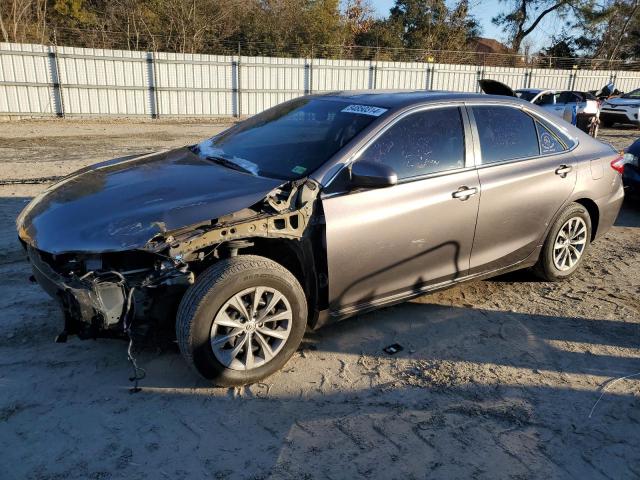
pixel 285 213
pixel 110 293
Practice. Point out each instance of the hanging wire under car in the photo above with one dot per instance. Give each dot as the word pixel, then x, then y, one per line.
pixel 138 373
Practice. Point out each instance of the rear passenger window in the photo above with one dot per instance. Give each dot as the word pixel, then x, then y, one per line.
pixel 506 133
pixel 424 142
pixel 549 143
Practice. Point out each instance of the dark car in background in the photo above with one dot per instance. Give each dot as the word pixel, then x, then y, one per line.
pixel 315 210
pixel 630 168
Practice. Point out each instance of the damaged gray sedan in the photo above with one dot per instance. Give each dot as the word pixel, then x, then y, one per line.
pixel 312 211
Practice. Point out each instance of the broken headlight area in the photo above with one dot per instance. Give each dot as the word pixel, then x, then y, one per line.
pixel 112 293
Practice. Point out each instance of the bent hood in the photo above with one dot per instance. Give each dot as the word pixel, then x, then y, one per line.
pixel 121 204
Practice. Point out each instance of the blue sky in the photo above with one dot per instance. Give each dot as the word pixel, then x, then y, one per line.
pixel 484 11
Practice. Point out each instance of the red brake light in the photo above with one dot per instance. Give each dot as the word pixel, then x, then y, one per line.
pixel 618 164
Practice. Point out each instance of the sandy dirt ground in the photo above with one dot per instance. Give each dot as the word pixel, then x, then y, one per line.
pixel 497 379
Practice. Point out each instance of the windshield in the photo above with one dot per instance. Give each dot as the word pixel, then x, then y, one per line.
pixel 290 140
pixel 524 95
pixel 632 94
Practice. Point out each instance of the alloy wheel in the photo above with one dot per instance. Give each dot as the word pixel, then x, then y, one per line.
pixel 570 243
pixel 251 328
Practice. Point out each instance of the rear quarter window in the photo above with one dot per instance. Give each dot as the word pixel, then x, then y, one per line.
pixel 564 138
pixel 506 133
pixel 549 142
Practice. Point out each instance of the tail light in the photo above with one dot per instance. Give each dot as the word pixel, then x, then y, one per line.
pixel 618 163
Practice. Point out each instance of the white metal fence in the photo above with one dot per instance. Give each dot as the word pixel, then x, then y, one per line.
pixel 39 80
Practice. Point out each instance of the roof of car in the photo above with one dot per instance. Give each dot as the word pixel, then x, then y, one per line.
pixel 402 98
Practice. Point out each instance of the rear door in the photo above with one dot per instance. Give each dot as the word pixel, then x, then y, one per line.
pixel 526 174
pixel 388 243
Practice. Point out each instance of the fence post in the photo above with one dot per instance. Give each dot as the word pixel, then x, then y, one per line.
pixel 238 79
pixel 481 71
pixel 57 83
pixel 573 77
pixel 373 74
pixel 153 85
pixel 427 79
pixel 431 73
pixel 310 73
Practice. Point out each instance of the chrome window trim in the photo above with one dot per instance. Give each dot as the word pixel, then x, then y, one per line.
pixel 469 161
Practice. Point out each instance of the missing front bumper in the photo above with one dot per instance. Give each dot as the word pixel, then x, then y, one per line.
pixel 98 304
pixel 89 307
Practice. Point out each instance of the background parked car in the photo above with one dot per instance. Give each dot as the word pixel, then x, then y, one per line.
pixel 631 168
pixel 578 108
pixel 624 109
pixel 558 103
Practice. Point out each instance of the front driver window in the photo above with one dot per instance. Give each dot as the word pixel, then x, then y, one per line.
pixel 425 142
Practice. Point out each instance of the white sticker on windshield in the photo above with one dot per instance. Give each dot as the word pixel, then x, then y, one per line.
pixel 364 110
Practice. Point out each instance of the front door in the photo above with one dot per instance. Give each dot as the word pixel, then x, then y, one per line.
pixel 388 243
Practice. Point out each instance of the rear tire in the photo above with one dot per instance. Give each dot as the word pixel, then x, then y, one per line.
pixel 241 320
pixel 566 244
pixel 607 123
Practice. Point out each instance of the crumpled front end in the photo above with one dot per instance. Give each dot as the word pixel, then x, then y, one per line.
pixel 100 296
pixel 118 245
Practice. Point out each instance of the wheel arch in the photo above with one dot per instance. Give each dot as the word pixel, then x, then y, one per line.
pixel 302 260
pixel 594 214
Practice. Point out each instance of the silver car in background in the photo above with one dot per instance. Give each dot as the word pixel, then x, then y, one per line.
pixel 318 209
pixel 581 109
pixel 556 102
pixel 624 109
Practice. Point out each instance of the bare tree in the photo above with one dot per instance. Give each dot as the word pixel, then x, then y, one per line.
pixel 526 15
pixel 23 20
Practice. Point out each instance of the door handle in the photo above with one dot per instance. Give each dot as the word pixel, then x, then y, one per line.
pixel 563 170
pixel 463 193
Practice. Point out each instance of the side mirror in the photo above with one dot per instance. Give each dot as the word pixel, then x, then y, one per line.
pixel 372 175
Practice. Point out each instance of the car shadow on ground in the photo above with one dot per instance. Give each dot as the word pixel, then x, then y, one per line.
pixel 501 394
pixel 519 385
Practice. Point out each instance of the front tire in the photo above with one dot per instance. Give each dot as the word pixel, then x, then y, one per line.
pixel 566 244
pixel 242 320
